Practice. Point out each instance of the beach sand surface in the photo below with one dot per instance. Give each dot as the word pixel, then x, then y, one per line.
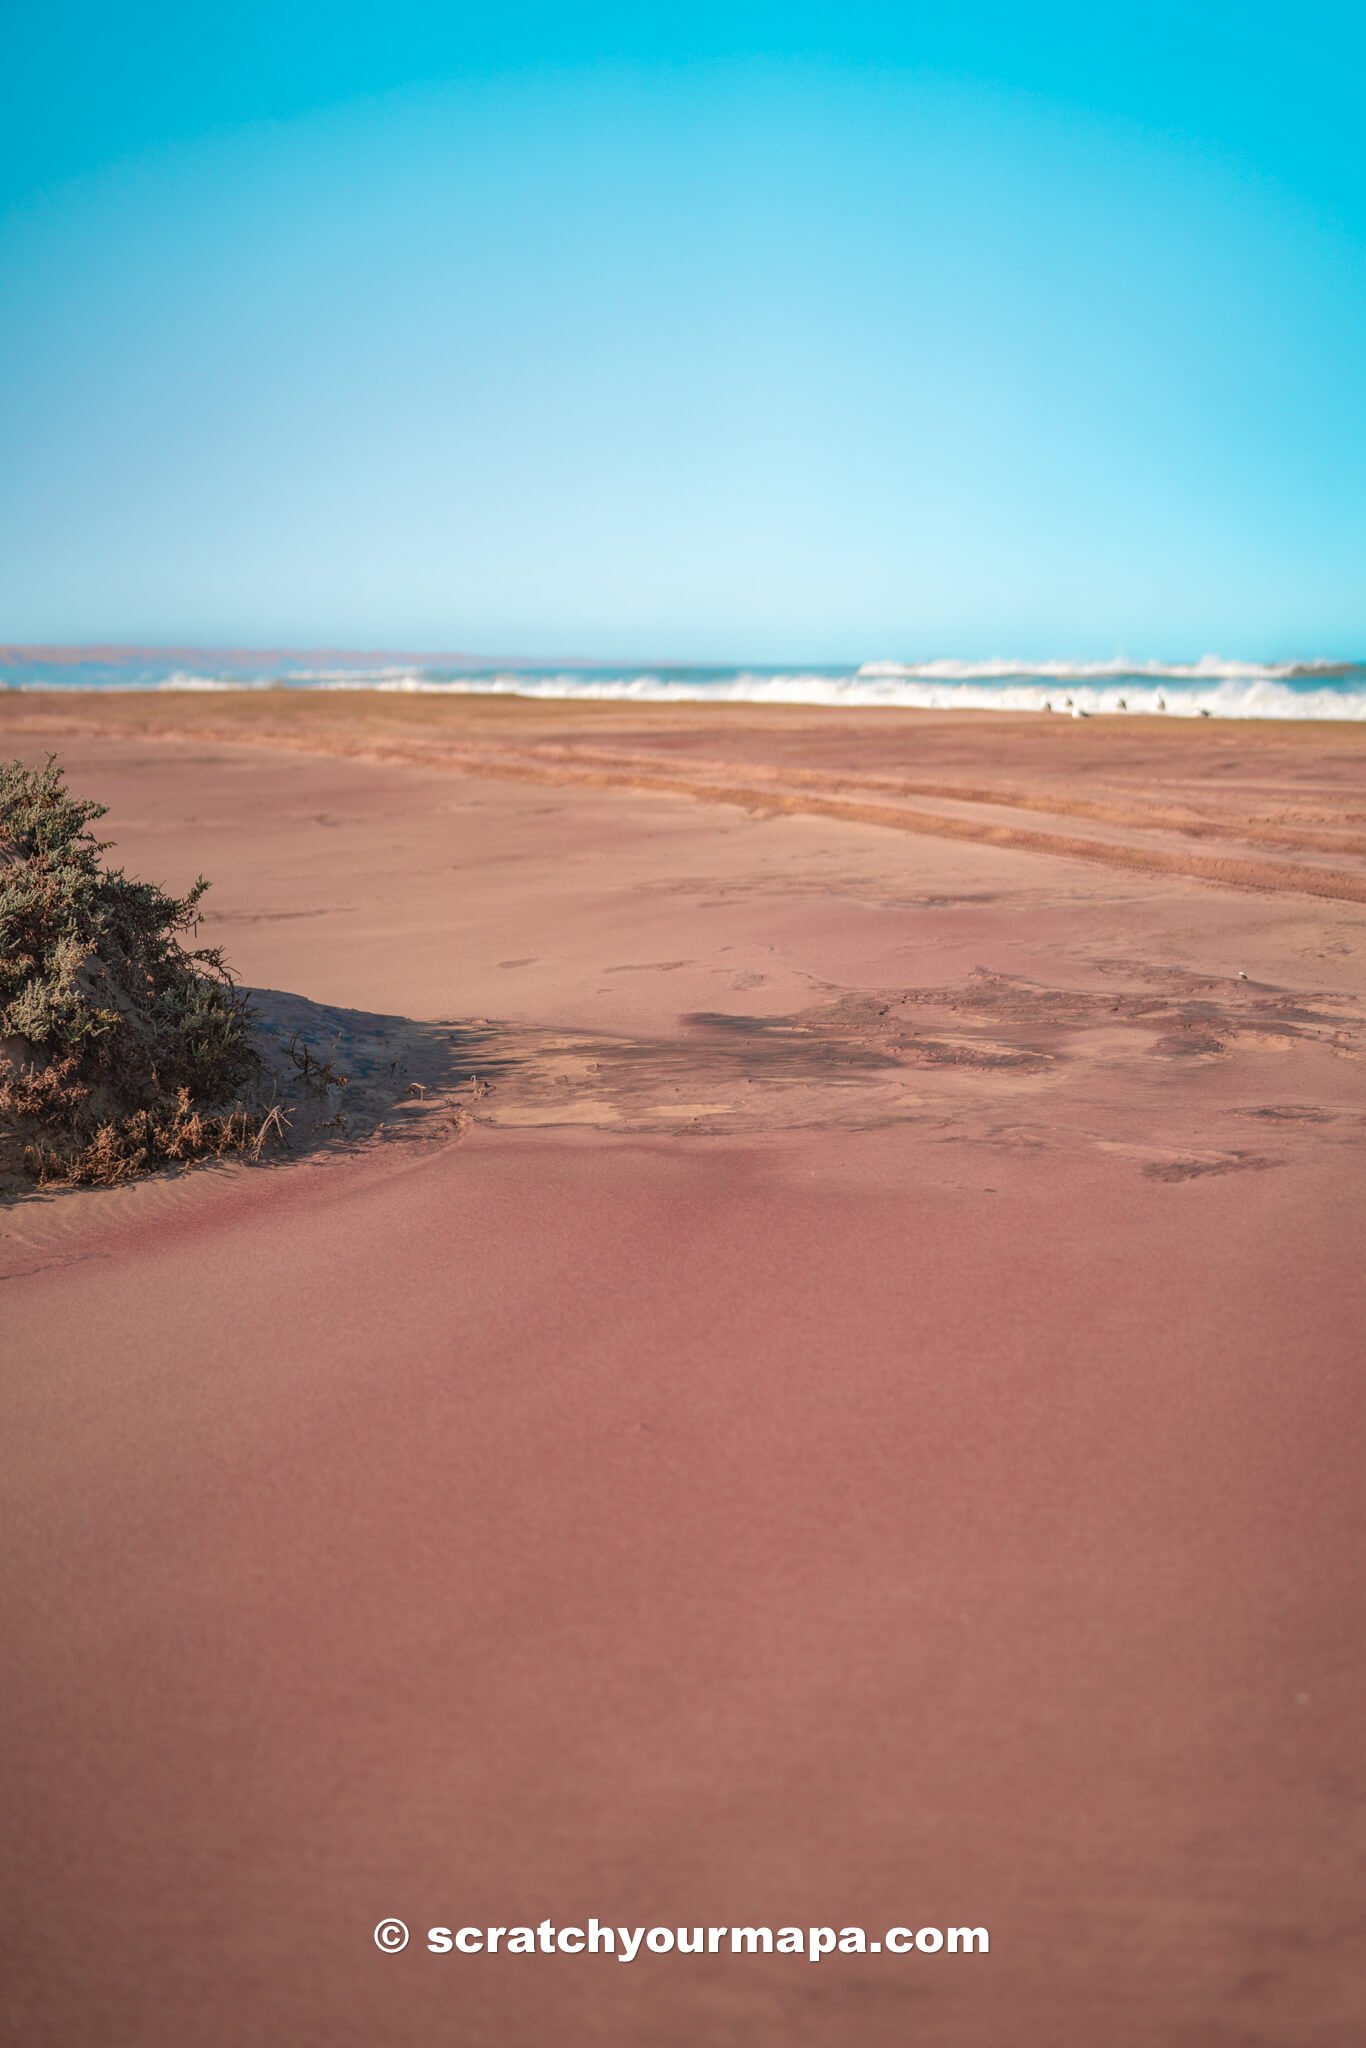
pixel 817 1380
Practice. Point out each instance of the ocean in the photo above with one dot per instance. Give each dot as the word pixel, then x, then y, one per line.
pixel 1209 687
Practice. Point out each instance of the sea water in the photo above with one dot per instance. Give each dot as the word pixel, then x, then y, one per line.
pixel 1209 687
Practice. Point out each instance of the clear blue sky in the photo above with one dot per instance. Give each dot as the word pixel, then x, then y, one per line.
pixel 777 332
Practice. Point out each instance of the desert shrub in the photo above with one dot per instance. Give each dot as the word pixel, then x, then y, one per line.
pixel 121 1046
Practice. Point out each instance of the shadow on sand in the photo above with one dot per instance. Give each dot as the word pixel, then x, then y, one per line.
pixel 341 1075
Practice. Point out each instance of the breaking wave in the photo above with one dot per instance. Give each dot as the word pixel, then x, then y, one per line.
pixel 1209 668
pixel 1189 693
pixel 1210 687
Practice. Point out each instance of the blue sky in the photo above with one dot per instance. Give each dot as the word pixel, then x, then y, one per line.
pixel 748 333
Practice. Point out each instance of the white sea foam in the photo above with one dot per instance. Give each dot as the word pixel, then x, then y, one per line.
pixel 1210 687
pixel 350 678
pixel 1209 668
pixel 1251 694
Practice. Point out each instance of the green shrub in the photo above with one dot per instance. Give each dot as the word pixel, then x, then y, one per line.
pixel 120 1046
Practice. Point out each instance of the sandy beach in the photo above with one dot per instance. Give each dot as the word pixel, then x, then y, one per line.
pixel 816 1381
